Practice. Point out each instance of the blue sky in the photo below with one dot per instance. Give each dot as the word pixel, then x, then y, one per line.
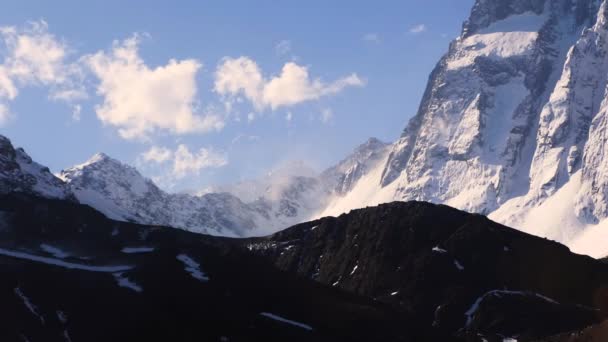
pixel 255 84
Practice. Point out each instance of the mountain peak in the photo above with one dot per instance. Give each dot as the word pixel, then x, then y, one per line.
pixel 486 12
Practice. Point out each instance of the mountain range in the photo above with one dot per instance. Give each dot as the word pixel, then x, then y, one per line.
pixel 511 125
pixel 407 241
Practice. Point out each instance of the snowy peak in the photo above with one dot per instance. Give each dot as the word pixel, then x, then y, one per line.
pixel 487 12
pixel 19 173
pixel 513 123
pixel 102 172
pixel 343 177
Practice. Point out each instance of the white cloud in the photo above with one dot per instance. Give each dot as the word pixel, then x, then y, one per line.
pixel 242 76
pixel 283 48
pixel 371 37
pixel 157 154
pixel 327 115
pixel 181 162
pixel 34 57
pixel 288 116
pixel 418 29
pixel 186 162
pixel 140 100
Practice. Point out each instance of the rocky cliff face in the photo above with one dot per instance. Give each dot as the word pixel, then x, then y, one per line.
pixel 459 274
pixel 251 208
pixel 19 173
pixel 512 123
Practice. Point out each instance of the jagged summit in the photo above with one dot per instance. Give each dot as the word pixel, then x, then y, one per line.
pixel 512 122
pixel 19 173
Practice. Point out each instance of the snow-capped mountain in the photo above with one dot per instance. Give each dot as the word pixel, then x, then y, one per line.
pixel 513 123
pixel 120 192
pixel 19 173
pixel 250 208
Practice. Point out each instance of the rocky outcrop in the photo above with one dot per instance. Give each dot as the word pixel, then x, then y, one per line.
pixel 460 274
pixel 19 173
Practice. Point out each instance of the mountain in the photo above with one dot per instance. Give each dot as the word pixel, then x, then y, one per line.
pixel 398 272
pixel 18 172
pixel 287 196
pixel 512 124
pixel 461 276
pixel 122 193
pixel 71 274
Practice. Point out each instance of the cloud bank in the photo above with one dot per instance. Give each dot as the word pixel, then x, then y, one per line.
pixel 140 100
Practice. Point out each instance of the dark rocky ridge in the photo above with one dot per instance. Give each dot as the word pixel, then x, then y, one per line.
pixel 397 272
pixel 42 302
pixel 436 262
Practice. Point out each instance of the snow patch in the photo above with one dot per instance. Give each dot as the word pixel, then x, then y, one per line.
pixel 439 250
pixel 285 320
pixel 513 36
pixel 498 293
pixel 458 265
pixel 28 304
pixel 193 267
pixel 54 251
pixel 64 264
pixel 125 282
pixel 134 250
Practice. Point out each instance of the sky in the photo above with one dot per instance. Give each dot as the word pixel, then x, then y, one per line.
pixel 200 93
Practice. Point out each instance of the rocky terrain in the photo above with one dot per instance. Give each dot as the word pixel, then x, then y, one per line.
pixel 70 274
pixel 460 275
pixel 511 125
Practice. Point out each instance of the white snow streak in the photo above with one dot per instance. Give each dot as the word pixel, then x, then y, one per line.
pixel 458 265
pixel 64 264
pixel 193 267
pixel 133 250
pixel 54 251
pixel 125 282
pixel 439 250
pixel 284 320
pixel 473 309
pixel 28 304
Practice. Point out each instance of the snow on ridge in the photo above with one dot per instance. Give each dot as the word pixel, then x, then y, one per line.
pixel 470 313
pixel 285 320
pixel 512 36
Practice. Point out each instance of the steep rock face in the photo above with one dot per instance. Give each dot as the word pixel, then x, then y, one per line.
pixel 344 176
pixel 512 123
pixel 19 173
pixel 122 193
pixel 71 274
pixel 251 208
pixel 459 274
pixel 470 143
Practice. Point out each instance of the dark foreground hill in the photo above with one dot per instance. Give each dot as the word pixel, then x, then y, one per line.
pixel 457 274
pixel 397 272
pixel 69 274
